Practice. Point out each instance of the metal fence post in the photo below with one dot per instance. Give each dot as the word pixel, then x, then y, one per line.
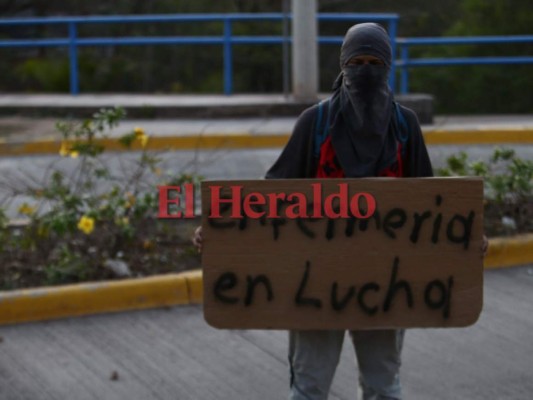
pixel 73 58
pixel 285 47
pixel 305 50
pixel 228 58
pixel 404 82
pixel 393 28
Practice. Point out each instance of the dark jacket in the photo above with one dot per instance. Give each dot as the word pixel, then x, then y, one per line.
pixel 297 158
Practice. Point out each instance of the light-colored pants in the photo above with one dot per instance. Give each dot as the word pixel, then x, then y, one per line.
pixel 314 355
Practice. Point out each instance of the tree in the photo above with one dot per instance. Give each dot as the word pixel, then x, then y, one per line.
pixel 483 89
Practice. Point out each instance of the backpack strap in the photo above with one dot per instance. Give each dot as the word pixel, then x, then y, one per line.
pixel 402 132
pixel 321 126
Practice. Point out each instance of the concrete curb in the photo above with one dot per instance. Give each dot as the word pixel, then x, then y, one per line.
pixel 509 252
pixel 478 136
pixel 190 142
pixel 244 140
pixel 200 106
pixel 173 289
pixel 101 297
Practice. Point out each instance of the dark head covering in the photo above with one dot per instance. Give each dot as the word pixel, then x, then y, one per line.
pixel 362 104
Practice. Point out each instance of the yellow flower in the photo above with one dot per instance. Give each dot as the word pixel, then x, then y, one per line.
pixel 26 209
pixel 148 244
pixel 141 136
pixel 86 224
pixel 144 140
pixel 64 150
pixel 138 132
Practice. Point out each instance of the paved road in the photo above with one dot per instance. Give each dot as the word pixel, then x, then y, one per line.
pixel 18 172
pixel 173 354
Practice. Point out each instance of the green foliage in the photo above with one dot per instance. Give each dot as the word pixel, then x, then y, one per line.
pixel 481 89
pixel 198 69
pixel 49 75
pixel 3 229
pixel 67 266
pixel 508 187
pixel 81 219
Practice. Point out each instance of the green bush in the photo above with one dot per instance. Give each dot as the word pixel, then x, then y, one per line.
pixel 508 189
pixel 49 75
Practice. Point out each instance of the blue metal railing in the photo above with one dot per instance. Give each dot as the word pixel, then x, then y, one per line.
pixel 405 62
pixel 226 40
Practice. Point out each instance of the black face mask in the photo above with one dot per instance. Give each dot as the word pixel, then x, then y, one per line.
pixel 364 78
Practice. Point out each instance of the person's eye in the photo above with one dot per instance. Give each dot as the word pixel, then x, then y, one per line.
pixel 376 62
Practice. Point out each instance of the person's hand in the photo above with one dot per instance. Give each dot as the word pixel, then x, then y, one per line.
pixel 485 245
pixel 197 239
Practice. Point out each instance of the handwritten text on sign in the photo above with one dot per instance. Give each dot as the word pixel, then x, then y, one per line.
pixel 416 262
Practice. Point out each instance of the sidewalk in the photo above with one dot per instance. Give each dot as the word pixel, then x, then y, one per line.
pixel 144 105
pixel 27 136
pixel 169 354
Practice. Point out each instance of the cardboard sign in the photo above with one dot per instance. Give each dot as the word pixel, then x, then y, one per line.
pixel 303 254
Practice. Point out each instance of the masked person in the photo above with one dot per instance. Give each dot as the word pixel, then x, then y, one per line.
pixel 358 132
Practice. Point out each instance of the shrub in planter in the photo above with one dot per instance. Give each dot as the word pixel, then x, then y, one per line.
pixel 91 222
pixel 508 189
